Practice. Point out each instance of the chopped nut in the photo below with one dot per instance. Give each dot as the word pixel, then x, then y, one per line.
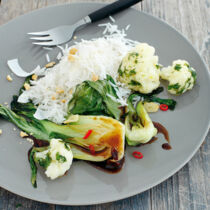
pixel 71 58
pixel 1 131
pixel 50 65
pixel 34 77
pixel 5 103
pixel 72 118
pixel 63 100
pixel 151 106
pixel 26 86
pixel 23 134
pixel 73 51
pixel 9 78
pixel 95 77
pixel 59 90
pixel 75 37
pixel 53 98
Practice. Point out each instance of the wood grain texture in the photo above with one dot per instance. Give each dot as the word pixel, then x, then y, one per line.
pixel 189 189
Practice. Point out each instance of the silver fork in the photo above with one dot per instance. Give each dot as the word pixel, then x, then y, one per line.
pixel 63 34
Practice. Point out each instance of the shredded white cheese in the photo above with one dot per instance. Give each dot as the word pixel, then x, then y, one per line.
pixel 127 27
pixel 59 56
pixel 112 19
pixel 47 48
pixel 99 57
pixel 47 58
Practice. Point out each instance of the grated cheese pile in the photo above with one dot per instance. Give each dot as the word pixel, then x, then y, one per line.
pixel 86 60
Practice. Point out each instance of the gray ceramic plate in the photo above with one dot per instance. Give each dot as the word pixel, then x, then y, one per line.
pixel 84 184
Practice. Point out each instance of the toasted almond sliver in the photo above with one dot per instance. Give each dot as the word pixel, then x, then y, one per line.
pixel 63 100
pixel 95 77
pixel 73 51
pixel 59 91
pixel 1 131
pixel 23 134
pixel 34 77
pixel 9 78
pixel 49 65
pixel 71 58
pixel 26 86
pixel 75 37
pixel 72 118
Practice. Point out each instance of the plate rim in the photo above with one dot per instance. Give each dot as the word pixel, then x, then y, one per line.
pixel 135 191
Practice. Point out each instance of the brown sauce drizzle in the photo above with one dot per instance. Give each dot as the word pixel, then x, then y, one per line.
pixel 114 154
pixel 89 152
pixel 108 166
pixel 152 140
pixel 163 130
pixel 111 166
pixel 37 143
pixel 166 146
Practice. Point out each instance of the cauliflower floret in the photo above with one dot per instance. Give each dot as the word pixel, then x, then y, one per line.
pixel 139 69
pixel 180 75
pixel 57 159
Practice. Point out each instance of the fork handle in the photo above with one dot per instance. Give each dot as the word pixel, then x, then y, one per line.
pixel 112 9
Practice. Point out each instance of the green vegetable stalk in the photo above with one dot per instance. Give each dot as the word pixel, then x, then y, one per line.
pixel 152 98
pixel 73 133
pixel 32 161
pixel 139 128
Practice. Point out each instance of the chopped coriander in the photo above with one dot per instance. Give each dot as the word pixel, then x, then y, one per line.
pixel 132 72
pixel 157 66
pixel 45 162
pixel 189 84
pixel 177 67
pixel 174 86
pixel 193 73
pixel 134 83
pixel 67 146
pixel 60 158
pixel 181 91
pixel 186 64
pixel 133 54
pixel 184 87
pixel 120 72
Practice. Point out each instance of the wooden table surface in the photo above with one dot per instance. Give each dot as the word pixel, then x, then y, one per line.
pixel 190 187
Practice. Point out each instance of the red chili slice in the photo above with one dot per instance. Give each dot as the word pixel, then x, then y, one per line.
pixel 137 155
pixel 163 107
pixel 87 134
pixel 92 150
